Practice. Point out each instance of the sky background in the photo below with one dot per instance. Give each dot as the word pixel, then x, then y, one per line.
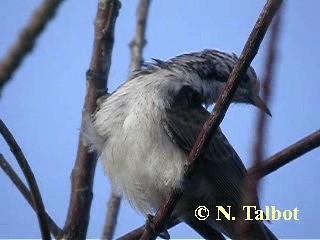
pixel 42 104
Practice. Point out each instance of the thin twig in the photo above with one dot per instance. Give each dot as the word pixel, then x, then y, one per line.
pixel 76 224
pixel 54 229
pixel 251 187
pixel 139 40
pixel 220 108
pixel 27 39
pixel 112 216
pixel 137 46
pixel 268 166
pixel 23 163
pixel 289 154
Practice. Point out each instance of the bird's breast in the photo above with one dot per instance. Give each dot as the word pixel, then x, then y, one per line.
pixel 140 159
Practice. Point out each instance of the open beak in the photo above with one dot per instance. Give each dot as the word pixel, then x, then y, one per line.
pixel 257 101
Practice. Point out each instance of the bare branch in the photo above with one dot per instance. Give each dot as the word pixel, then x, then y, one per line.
pixel 83 172
pixel 27 39
pixel 137 233
pixel 220 108
pixel 23 163
pixel 289 154
pixel 137 45
pixel 134 234
pixel 251 187
pixel 139 40
pixel 112 216
pixel 54 229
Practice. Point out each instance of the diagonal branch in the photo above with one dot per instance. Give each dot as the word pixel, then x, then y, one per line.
pixel 54 229
pixel 23 163
pixel 252 184
pixel 27 39
pixel 220 108
pixel 289 154
pixel 77 221
pixel 137 45
pixel 268 166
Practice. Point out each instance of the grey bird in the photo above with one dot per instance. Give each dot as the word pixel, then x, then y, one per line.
pixel 145 130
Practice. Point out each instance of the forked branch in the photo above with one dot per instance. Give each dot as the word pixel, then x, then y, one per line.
pixel 23 163
pixel 54 229
pixel 83 172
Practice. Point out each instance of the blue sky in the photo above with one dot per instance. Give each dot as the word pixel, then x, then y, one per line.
pixel 42 104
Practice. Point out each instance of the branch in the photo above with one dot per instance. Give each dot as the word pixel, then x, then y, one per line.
pixel 220 108
pixel 83 172
pixel 134 234
pixel 137 233
pixel 139 41
pixel 112 216
pixel 251 187
pixel 289 154
pixel 23 163
pixel 27 39
pixel 137 45
pixel 54 229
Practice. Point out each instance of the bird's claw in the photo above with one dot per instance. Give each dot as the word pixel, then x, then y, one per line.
pixel 150 228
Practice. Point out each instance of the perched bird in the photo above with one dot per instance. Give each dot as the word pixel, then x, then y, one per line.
pixel 145 130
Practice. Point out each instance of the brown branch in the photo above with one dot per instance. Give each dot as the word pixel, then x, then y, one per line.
pixel 27 39
pixel 220 108
pixel 54 229
pixel 201 227
pixel 268 166
pixel 251 187
pixel 112 216
pixel 134 234
pixel 289 154
pixel 137 45
pixel 83 172
pixel 23 163
pixel 139 40
pixel 137 233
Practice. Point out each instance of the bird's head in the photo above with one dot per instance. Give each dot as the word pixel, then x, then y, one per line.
pixel 208 71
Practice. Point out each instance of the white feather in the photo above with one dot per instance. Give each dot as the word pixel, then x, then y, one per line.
pixel 142 162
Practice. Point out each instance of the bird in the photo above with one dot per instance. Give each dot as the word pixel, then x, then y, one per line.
pixel 144 131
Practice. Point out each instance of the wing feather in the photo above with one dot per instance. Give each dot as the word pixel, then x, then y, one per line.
pixel 223 167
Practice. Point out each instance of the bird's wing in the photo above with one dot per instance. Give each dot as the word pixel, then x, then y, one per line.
pixel 182 122
pixel 221 168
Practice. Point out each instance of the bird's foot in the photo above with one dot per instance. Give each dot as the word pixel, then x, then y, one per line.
pixel 150 228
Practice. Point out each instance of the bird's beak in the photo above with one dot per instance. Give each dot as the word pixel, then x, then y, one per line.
pixel 257 101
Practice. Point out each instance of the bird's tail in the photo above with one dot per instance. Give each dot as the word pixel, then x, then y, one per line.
pixel 259 230
pixel 270 235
